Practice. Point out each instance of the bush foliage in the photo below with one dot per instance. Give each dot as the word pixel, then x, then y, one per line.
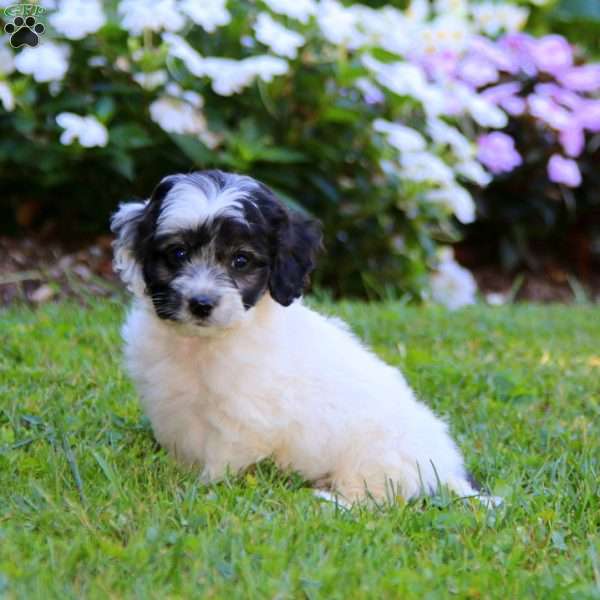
pixel 367 118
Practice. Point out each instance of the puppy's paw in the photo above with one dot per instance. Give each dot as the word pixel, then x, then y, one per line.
pixel 464 488
pixel 332 497
pixel 490 502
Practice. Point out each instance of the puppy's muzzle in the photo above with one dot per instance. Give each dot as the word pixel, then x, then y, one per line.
pixel 202 305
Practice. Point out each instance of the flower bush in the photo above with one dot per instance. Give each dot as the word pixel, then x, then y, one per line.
pixel 381 122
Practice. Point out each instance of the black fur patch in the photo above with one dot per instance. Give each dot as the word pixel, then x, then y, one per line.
pixel 474 483
pixel 295 240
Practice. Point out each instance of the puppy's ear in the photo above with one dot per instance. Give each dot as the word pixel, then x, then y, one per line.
pixel 125 224
pixel 298 240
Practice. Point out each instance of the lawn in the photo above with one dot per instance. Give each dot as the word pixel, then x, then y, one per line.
pixel 90 507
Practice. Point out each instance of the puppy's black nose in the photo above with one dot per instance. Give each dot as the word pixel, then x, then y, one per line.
pixel 201 306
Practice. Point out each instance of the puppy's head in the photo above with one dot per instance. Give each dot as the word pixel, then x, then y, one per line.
pixel 206 247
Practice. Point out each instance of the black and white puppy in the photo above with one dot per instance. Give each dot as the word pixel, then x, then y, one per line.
pixel 232 367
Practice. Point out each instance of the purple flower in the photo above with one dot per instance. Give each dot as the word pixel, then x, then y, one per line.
pixel 439 65
pixel 497 152
pixel 589 115
pixel 514 105
pixel 572 139
pixel 552 54
pixel 581 79
pixel 564 170
pixel 559 94
pixel 547 111
pixel 500 92
pixel 520 48
pixel 495 54
pixel 505 96
pixel 477 71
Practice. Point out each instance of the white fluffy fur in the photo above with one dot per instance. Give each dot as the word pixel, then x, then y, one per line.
pixel 187 207
pixel 290 384
pixel 124 262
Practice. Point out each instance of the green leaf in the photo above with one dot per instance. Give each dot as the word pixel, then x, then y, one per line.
pixel 194 149
pixel 570 10
pixel 338 114
pixel 279 155
pixel 105 108
pixel 123 163
pixel 129 136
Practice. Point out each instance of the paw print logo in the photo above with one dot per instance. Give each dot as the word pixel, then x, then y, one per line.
pixel 24 32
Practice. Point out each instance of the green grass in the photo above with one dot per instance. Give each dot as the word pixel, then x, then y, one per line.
pixel 91 508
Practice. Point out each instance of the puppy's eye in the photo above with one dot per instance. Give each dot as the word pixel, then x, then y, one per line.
pixel 240 261
pixel 177 254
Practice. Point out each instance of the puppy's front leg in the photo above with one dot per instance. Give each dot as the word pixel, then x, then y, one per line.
pixel 223 457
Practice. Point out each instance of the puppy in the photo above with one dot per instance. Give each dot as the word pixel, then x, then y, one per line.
pixel 232 367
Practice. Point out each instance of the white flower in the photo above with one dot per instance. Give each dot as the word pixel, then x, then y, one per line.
pixel 492 18
pixel 401 137
pixel 406 79
pixel 179 48
pixel 371 93
pixel 496 298
pixel 386 27
pixel 457 199
pixel 399 77
pixel 6 96
pixel 46 62
pixel 447 32
pixel 7 60
pixel 154 15
pixel 179 117
pixel 209 14
pixel 88 130
pixel 228 76
pixel 176 116
pixel 473 171
pixel 281 40
pixel 487 114
pixel 76 19
pixel 451 6
pixel 97 61
pixel 265 67
pixel 123 64
pixel 418 10
pixel 338 24
pixel 446 135
pixel 151 80
pixel 452 285
pixel 484 112
pixel 425 166
pixel 191 97
pixel 301 10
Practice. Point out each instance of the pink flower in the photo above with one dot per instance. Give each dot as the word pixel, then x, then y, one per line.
pixel 581 79
pixel 572 140
pixel 497 152
pixel 552 54
pixel 564 170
